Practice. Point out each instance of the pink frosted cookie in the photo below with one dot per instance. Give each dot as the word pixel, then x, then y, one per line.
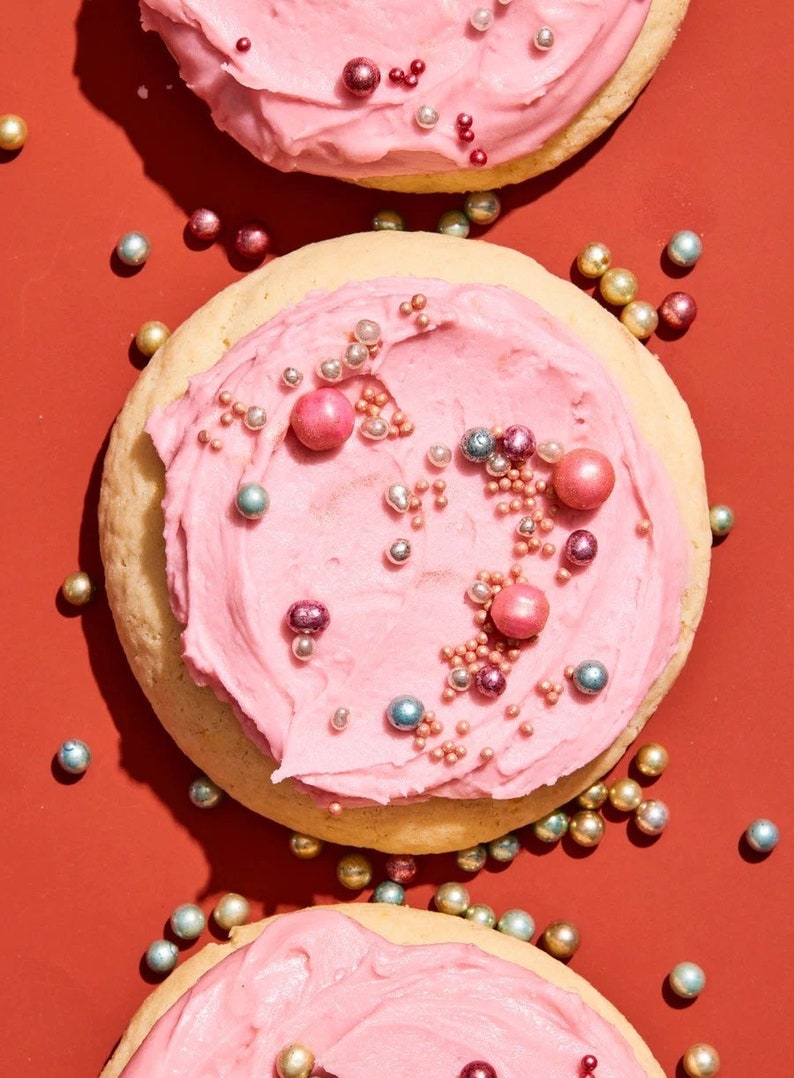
pixel 369 989
pixel 417 549
pixel 433 97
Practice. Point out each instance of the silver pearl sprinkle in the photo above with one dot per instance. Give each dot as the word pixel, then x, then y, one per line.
pixel 526 526
pixel 255 417
pixel 340 718
pixel 367 332
pixel 439 455
pixel 551 451
pixel 330 370
pixel 544 38
pixel 375 428
pixel 426 117
pixel 481 915
pixel 188 921
pixel 291 376
pixel 459 679
pixel 74 756
pixel 399 552
pixel 398 496
pixel 356 354
pixel 161 956
pixel 303 647
pixel 204 793
pixel 497 465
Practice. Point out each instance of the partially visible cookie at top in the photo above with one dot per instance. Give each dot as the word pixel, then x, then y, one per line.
pixel 405 539
pixel 435 97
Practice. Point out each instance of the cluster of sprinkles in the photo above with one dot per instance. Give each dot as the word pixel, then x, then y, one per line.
pixel 618 286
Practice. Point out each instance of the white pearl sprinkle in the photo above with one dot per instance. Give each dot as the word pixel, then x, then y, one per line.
pixel 340 718
pixel 291 376
pixel 303 647
pixel 426 116
pixel 367 332
pixel 398 497
pixel 375 428
pixel 482 19
pixel 356 354
pixel 439 455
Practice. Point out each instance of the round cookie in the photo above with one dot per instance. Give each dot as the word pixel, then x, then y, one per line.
pixel 474 800
pixel 519 1001
pixel 530 107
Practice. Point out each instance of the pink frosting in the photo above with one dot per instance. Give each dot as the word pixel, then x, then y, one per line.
pixel 489 357
pixel 284 101
pixel 366 1006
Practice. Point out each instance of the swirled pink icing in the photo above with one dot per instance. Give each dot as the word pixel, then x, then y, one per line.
pixel 488 357
pixel 283 98
pixel 366 1006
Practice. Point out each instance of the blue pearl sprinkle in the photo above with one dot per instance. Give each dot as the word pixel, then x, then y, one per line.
pixel 685 248
pixel 590 677
pixel 390 892
pixel 687 980
pixel 516 923
pixel 405 712
pixel 252 501
pixel 477 444
pixel 133 248
pixel 762 836
pixel 504 849
pixel 188 921
pixel 161 956
pixel 74 756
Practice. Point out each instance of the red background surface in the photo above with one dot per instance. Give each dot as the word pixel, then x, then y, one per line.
pixel 91 870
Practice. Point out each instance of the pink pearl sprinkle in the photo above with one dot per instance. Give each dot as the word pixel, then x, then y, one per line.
pixel 251 241
pixel 464 119
pixel 418 66
pixel 410 80
pixel 486 754
pixel 396 74
pixel 478 157
pixel 334 808
pixel 583 478
pixel 520 611
pixel 465 134
pixel 361 76
pixel 401 868
pixel 323 419
pixel 204 224
pixel 243 44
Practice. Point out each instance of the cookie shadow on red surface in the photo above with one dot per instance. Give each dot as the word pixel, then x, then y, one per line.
pixel 244 852
pixel 198 165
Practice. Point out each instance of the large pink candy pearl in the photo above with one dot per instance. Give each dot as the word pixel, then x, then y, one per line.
pixel 519 611
pixel 323 419
pixel 583 478
pixel 361 76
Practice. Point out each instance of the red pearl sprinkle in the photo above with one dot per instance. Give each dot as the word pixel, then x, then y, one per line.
pixel 411 80
pixel 251 240
pixel 478 157
pixel 464 120
pixel 396 74
pixel 466 134
pixel 678 310
pixel 478 1069
pixel 243 44
pixel 401 868
pixel 589 1064
pixel 361 76
pixel 418 67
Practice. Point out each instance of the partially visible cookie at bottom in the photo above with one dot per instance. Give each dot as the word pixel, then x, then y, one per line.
pixel 441 698
pixel 371 989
